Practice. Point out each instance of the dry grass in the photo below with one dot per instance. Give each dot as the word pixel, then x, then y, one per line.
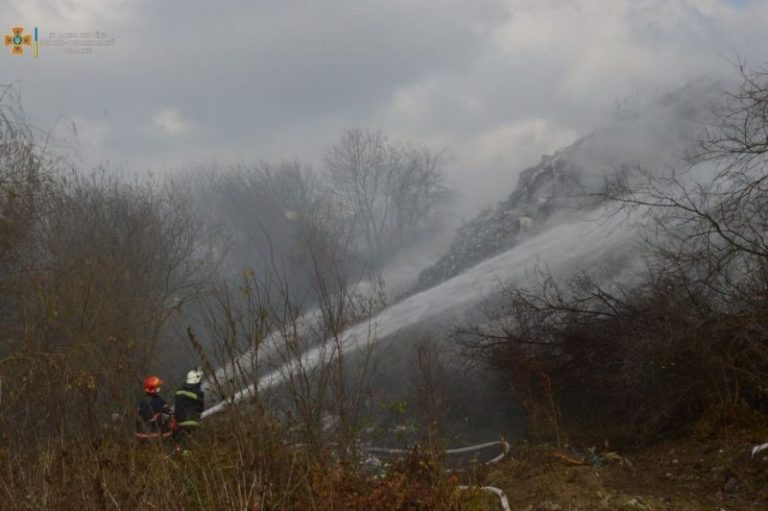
pixel 251 469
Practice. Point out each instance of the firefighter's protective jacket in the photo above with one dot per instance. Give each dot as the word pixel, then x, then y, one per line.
pixel 189 404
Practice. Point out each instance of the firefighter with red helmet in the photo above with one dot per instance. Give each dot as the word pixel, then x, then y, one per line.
pixel 154 417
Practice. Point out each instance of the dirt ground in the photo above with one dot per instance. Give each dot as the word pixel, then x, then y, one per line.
pixel 691 474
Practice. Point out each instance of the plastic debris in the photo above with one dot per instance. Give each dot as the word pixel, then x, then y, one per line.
pixel 496 491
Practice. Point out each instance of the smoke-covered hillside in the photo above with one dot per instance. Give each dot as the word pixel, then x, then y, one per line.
pixel 656 137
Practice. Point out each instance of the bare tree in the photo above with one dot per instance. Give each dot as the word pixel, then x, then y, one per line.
pixel 280 222
pixel 389 193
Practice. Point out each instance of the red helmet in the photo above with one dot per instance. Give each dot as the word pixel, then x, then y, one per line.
pixel 152 384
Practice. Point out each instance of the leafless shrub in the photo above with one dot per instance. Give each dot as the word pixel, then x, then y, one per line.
pixel 691 333
pixel 428 390
pixel 109 263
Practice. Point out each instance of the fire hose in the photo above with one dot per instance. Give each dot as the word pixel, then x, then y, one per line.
pixel 503 501
pixel 461 450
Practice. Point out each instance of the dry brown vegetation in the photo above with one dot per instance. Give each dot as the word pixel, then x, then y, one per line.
pixel 94 271
pixel 95 274
pixel 592 358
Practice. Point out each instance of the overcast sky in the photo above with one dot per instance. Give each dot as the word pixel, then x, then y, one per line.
pixel 496 83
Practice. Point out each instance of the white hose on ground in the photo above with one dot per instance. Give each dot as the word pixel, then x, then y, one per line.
pixel 461 450
pixel 759 448
pixel 496 491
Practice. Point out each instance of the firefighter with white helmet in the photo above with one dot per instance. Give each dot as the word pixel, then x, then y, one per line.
pixel 189 404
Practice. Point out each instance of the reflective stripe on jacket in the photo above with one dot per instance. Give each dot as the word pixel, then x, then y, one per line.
pixel 189 401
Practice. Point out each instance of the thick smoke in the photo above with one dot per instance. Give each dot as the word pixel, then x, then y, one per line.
pixel 659 138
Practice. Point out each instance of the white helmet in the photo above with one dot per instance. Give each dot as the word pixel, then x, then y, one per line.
pixel 194 376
